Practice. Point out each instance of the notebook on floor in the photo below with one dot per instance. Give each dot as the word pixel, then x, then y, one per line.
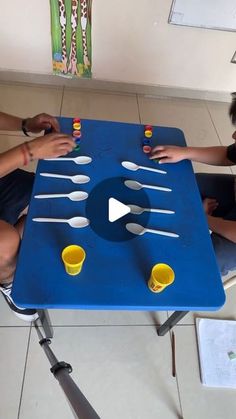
pixel 217 352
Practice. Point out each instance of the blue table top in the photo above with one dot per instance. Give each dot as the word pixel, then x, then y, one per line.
pixel 115 273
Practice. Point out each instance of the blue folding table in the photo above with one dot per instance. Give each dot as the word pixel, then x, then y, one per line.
pixel 118 265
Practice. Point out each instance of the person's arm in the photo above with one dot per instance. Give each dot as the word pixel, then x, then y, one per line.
pixel 48 146
pixel 10 122
pixel 51 145
pixel 225 228
pixel 216 156
pixel 36 124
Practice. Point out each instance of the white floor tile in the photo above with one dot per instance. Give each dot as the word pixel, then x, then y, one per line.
pixel 105 318
pixel 102 106
pixel 12 361
pixel 191 116
pixel 27 101
pixel 124 372
pixel 197 400
pixel 206 168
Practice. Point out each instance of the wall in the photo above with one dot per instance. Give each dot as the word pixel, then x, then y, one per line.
pixel 132 43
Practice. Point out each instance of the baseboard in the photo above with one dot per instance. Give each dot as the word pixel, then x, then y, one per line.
pixel 111 86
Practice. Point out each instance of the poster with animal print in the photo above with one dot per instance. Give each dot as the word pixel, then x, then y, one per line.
pixel 71 37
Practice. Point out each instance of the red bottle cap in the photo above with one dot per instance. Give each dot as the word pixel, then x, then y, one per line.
pixel 147 149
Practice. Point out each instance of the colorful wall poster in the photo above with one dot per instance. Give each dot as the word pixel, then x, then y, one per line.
pixel 71 37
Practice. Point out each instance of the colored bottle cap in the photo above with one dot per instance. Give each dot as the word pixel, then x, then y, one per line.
pixel 77 148
pixel 76 120
pixel 148 127
pixel 77 134
pixel 148 133
pixel 77 125
pixel 146 141
pixel 147 149
pixel 77 140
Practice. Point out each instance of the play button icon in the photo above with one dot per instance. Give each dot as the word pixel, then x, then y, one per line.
pixel 108 211
pixel 116 210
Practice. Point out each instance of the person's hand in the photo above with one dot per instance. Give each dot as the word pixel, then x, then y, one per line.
pixel 168 154
pixel 42 122
pixel 51 145
pixel 209 205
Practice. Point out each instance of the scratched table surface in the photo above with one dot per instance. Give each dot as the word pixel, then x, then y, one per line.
pixel 118 264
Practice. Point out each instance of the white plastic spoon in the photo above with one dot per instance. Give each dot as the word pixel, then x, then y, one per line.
pixel 77 160
pixel 74 179
pixel 140 230
pixel 135 209
pixel 76 222
pixel 133 166
pixel 133 184
pixel 73 196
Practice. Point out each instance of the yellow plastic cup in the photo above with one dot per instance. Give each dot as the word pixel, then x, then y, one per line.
pixel 162 275
pixel 73 257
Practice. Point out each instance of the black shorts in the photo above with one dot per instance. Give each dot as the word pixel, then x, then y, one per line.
pixel 222 188
pixel 15 192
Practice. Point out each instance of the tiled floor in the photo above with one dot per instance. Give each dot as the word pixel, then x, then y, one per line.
pixel 119 363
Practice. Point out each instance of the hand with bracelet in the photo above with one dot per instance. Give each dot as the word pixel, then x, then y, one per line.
pixel 50 145
pixel 39 123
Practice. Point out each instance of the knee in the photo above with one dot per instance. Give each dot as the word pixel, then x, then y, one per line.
pixel 9 244
pixel 225 251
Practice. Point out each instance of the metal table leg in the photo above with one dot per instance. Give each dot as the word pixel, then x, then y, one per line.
pixel 172 321
pixel 46 323
pixel 79 404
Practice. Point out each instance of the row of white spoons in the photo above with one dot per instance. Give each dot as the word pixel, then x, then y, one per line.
pixel 80 179
pixel 80 222
pixel 135 209
pixel 76 222
pixel 127 164
pixel 81 196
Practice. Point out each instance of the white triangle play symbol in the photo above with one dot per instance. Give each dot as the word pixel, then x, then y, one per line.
pixel 116 210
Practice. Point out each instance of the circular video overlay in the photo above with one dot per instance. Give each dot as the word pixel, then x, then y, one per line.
pixel 108 209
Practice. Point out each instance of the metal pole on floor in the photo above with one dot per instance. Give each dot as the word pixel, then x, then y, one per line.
pixel 80 406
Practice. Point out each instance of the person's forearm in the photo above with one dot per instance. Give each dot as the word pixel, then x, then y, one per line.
pixel 10 122
pixel 11 160
pixel 224 228
pixel 216 156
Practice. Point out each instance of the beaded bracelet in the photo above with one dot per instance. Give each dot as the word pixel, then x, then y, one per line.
pixel 24 152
